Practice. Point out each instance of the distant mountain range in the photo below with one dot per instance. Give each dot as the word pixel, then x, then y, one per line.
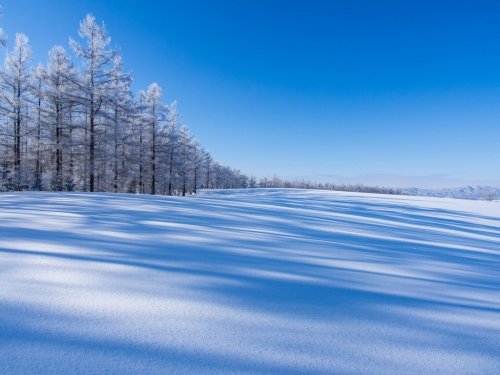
pixel 466 192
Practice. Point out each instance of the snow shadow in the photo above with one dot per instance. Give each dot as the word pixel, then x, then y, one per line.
pixel 266 281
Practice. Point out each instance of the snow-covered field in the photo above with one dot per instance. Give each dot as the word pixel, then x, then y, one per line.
pixel 266 281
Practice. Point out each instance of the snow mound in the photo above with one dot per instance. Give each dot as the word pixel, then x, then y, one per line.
pixel 250 281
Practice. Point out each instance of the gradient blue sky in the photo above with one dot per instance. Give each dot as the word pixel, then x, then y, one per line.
pixel 385 92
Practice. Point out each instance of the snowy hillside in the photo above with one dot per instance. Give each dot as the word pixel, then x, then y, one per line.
pixel 265 281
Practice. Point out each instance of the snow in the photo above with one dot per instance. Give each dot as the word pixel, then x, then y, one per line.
pixel 248 281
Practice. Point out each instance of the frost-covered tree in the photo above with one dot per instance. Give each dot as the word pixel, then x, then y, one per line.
pixel 74 125
pixel 185 157
pixel 155 116
pixel 98 61
pixel 37 86
pixel 59 93
pixel 3 36
pixel 15 89
pixel 171 146
pixel 120 106
pixel 207 166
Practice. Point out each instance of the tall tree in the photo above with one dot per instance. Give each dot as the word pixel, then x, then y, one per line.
pixel 155 114
pixel 119 99
pixel 15 89
pixel 37 85
pixel 59 92
pixel 185 161
pixel 98 72
pixel 171 145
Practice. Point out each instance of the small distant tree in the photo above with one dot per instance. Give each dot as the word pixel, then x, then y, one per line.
pixel 490 195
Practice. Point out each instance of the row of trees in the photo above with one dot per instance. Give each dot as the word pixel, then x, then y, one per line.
pixel 276 182
pixel 67 126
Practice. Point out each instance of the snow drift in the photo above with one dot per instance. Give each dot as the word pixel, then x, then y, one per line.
pixel 265 281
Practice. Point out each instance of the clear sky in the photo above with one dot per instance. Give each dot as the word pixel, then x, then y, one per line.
pixel 383 92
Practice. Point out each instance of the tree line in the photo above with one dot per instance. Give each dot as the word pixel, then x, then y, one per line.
pixel 74 124
pixel 277 182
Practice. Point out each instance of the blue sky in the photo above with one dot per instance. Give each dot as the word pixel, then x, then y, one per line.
pixel 384 92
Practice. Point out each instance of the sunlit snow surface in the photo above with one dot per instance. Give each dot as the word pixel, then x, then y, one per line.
pixel 266 281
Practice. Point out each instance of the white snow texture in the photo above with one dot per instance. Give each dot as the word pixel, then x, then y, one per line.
pixel 248 282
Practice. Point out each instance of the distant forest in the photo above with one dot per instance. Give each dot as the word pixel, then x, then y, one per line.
pixel 75 125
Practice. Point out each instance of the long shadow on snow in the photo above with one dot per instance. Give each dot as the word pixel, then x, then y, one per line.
pixel 290 260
